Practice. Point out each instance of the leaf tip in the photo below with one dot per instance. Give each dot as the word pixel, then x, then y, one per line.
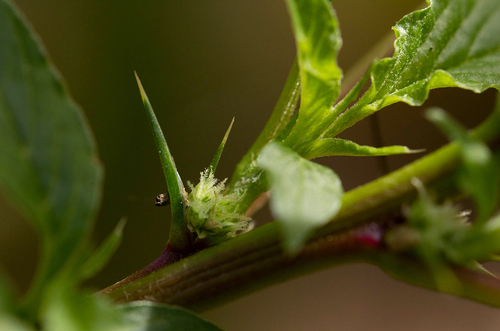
pixel 141 89
pixel 226 135
pixel 435 114
pixel 120 226
pixel 415 151
pixel 215 160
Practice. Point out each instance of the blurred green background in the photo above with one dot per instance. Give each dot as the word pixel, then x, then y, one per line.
pixel 202 63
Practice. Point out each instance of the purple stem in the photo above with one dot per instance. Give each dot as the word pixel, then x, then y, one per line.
pixel 166 258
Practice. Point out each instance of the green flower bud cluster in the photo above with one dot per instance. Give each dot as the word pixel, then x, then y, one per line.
pixel 209 210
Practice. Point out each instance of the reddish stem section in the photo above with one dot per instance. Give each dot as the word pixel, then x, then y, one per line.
pixel 166 258
pixel 220 279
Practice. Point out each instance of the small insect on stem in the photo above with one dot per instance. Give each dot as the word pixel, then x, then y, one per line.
pixel 162 200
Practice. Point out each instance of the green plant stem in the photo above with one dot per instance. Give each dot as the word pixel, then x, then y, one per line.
pixel 255 260
pixel 224 272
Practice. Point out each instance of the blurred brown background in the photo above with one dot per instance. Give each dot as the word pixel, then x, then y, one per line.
pixel 201 63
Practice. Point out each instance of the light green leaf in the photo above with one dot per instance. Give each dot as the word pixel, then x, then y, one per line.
pixel 479 175
pixel 179 238
pixel 151 316
pixel 452 43
pixel 304 195
pixel 318 42
pixel 102 254
pixel 337 146
pixel 48 159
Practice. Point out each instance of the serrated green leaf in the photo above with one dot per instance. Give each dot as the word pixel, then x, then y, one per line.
pixel 179 238
pixel 337 146
pixel 304 195
pixel 479 176
pixel 102 254
pixel 151 316
pixel 215 161
pixel 318 42
pixel 452 43
pixel 48 160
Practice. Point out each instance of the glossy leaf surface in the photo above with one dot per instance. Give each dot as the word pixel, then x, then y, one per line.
pixel 452 43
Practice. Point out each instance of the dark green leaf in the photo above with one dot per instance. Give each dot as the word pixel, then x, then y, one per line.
pixel 304 195
pixel 479 175
pixel 452 43
pixel 318 42
pixel 179 237
pixel 337 146
pixel 150 316
pixel 48 160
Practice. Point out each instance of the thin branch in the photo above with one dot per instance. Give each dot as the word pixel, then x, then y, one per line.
pixel 255 260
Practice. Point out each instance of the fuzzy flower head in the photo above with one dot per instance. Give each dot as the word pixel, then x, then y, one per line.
pixel 209 209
